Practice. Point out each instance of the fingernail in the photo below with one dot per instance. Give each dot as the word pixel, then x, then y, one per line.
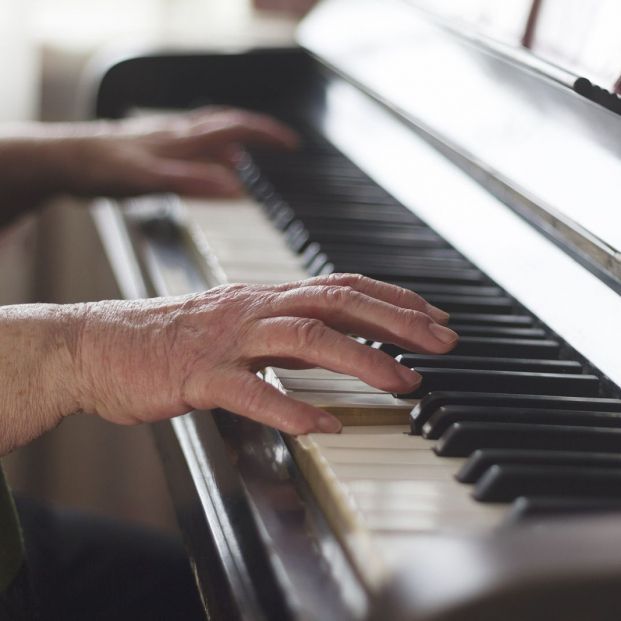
pixel 409 375
pixel 437 314
pixel 442 333
pixel 329 424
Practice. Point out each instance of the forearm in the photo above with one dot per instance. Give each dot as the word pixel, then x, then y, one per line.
pixel 38 161
pixel 36 370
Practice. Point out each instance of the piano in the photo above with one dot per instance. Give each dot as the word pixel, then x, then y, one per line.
pixel 483 177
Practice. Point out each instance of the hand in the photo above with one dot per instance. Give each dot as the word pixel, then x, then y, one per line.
pixel 192 154
pixel 294 7
pixel 154 359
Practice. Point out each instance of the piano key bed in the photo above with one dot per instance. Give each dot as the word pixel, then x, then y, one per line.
pixel 510 426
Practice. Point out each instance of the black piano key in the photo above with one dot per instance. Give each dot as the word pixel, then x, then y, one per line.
pixel 457 276
pixel 365 196
pixel 507 482
pixel 275 166
pixel 372 252
pixel 478 291
pixel 321 224
pixel 400 238
pixel 389 265
pixel 494 331
pixel 283 218
pixel 262 189
pixel 298 240
pixel 525 509
pixel 482 459
pixel 517 382
pixel 369 258
pixel 297 172
pixel 312 186
pixel 506 347
pixel 406 264
pixel 310 252
pixel 355 212
pixel 313 180
pixel 462 439
pixel 490 363
pixel 449 414
pixel 317 265
pixel 423 411
pixel 334 184
pixel 482 319
pixel 472 304
pixel 368 243
pixel 273 207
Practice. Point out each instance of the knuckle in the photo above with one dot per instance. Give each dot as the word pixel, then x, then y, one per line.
pixel 254 397
pixel 415 320
pixel 308 332
pixel 404 297
pixel 346 279
pixel 338 296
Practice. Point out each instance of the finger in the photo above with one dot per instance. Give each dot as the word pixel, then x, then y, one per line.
pixel 230 156
pixel 242 128
pixel 392 294
pixel 193 179
pixel 313 343
pixel 351 311
pixel 245 394
pixel 203 113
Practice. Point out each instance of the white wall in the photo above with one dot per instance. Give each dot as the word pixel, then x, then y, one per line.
pixel 19 65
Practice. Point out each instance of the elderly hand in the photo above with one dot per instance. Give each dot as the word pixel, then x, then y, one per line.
pixel 146 361
pixel 143 361
pixel 192 153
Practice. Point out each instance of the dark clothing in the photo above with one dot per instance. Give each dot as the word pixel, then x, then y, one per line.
pixel 11 544
pixel 16 602
pixel 94 569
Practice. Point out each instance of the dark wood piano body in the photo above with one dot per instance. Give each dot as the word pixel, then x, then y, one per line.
pixel 259 543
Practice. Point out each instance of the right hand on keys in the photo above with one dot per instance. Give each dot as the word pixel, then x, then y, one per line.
pixel 152 360
pixel 148 360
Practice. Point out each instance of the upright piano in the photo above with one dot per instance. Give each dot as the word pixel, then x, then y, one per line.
pixel 486 179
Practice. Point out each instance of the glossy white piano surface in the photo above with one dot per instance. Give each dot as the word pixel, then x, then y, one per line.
pixel 568 163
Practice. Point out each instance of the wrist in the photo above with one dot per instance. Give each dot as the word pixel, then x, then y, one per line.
pixel 38 370
pixel 62 328
pixel 40 160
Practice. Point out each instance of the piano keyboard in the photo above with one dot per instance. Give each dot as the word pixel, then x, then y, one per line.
pixel 510 418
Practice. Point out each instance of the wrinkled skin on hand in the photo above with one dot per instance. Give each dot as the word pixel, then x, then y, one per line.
pixel 150 360
pixel 191 154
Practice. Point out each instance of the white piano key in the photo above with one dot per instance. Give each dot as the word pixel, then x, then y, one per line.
pixel 414 523
pixel 379 400
pixel 314 373
pixel 392 482
pixel 264 276
pixel 341 455
pixel 354 437
pixel 390 472
pixel 230 249
pixel 328 385
pixel 362 430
